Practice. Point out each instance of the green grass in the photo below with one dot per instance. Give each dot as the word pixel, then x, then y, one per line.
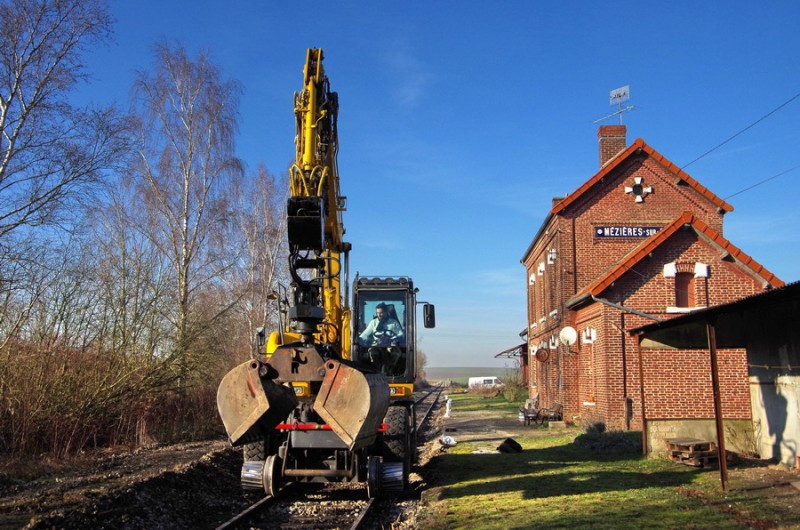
pixel 554 483
pixel 470 402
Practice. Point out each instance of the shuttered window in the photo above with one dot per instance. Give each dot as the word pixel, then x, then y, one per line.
pixel 684 289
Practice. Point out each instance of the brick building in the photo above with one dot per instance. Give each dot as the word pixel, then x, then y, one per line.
pixel 640 240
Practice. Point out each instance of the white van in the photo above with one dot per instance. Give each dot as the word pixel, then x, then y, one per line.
pixel 488 381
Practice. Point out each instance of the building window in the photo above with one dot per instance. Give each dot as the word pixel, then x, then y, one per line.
pixel 684 289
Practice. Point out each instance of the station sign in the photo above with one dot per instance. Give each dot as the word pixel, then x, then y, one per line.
pixel 625 231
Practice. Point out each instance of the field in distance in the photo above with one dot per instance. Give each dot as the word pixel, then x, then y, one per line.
pixel 462 374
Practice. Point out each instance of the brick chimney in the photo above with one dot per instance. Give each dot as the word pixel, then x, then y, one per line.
pixel 612 141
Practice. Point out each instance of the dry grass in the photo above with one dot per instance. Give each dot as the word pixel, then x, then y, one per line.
pixel 61 402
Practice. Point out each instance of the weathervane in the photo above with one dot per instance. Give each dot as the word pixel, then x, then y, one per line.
pixel 618 96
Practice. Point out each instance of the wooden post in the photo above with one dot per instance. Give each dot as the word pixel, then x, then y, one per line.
pixel 721 454
pixel 641 396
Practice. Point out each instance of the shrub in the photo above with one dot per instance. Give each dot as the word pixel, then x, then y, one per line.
pixel 610 442
pixel 514 392
pixel 63 401
pixel 595 427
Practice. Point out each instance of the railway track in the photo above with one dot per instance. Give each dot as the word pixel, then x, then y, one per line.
pixel 322 506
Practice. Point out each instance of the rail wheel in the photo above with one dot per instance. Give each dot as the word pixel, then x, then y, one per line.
pixel 272 475
pixel 374 476
pixel 397 440
pixel 393 478
pixel 254 455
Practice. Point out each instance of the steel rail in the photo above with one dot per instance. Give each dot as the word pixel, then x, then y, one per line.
pixel 253 510
pixel 246 514
pixel 431 391
pixel 359 522
pixel 430 409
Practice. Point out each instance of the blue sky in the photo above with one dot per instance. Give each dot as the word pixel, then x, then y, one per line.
pixel 460 121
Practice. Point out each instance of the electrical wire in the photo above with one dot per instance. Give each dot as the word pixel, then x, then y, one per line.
pixel 762 182
pixel 762 118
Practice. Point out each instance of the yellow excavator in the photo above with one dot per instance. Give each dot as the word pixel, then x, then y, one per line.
pixel 329 396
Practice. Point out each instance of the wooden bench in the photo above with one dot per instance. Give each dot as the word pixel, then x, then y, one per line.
pixel 554 413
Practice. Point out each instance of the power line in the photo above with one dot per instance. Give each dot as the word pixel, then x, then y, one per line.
pixel 762 118
pixel 762 182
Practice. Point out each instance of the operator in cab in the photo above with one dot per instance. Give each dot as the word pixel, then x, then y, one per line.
pixel 383 330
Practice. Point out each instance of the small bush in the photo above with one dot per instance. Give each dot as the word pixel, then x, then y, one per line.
pixel 595 427
pixel 610 442
pixel 514 393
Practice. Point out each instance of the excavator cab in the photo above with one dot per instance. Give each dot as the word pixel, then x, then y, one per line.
pixel 381 340
pixel 384 313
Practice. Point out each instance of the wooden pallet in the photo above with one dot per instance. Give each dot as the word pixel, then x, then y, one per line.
pixel 692 452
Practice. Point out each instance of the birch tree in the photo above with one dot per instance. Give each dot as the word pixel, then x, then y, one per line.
pixel 186 168
pixel 263 266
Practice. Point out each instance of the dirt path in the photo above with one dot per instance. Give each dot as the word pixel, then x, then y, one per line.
pixel 488 429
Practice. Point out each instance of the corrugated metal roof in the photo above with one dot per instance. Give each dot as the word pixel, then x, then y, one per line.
pixel 734 321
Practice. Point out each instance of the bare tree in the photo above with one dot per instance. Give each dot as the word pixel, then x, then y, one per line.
pixel 185 168
pixel 25 278
pixel 263 268
pixel 50 151
pixel 132 277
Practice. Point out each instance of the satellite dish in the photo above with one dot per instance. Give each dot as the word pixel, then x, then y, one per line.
pixel 542 355
pixel 568 336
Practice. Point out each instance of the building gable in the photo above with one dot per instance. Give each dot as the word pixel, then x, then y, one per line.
pixel 724 249
pixel 638 148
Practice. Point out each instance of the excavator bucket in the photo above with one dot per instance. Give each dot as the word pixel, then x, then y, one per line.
pixel 353 403
pixel 251 406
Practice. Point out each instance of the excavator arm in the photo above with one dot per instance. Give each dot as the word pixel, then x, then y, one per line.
pixel 318 253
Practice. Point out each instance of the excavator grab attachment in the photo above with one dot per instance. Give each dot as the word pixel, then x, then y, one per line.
pixel 353 403
pixel 251 406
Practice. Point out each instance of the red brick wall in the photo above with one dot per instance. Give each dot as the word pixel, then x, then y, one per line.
pixel 647 289
pixel 678 384
pixel 544 297
pixel 670 380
